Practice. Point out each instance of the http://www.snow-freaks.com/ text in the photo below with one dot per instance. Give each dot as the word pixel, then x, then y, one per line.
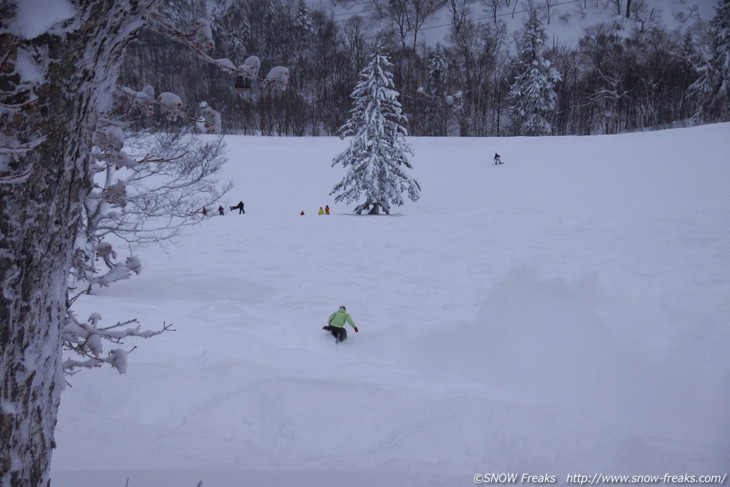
pixel 599 479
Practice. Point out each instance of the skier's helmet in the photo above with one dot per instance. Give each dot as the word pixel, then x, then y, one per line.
pixel 343 308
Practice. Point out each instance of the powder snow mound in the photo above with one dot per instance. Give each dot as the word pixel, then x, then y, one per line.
pixel 536 338
pixel 546 335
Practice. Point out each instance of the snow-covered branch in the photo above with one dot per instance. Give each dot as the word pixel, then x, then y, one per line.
pixel 86 339
pixel 142 199
pixel 200 40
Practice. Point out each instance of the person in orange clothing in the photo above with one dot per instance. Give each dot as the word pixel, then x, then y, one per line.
pixel 327 210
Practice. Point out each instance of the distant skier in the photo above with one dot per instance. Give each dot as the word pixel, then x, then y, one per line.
pixel 336 324
pixel 302 213
pixel 497 159
pixel 321 211
pixel 239 206
pixel 204 212
pixel 327 210
pixel 220 210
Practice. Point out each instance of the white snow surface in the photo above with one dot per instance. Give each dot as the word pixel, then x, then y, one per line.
pixel 566 312
pixel 35 17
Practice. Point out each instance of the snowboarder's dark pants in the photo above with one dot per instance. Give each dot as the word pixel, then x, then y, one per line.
pixel 339 333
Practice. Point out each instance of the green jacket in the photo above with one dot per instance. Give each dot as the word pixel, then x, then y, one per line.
pixel 338 319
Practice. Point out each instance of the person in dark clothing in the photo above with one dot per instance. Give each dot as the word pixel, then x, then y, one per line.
pixel 220 210
pixel 239 206
pixel 497 159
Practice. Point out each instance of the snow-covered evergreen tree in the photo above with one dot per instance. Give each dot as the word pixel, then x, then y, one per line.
pixel 303 19
pixel 437 69
pixel 532 97
pixel 712 88
pixel 377 156
pixel 438 109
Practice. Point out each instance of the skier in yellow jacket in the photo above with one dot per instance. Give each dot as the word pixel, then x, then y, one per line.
pixel 336 324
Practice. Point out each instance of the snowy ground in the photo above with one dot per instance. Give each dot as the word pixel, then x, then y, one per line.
pixel 566 312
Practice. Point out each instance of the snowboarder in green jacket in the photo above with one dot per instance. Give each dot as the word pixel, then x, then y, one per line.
pixel 336 324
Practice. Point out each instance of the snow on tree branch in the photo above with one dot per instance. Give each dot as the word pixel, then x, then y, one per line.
pixel 86 340
pixel 278 77
pixel 209 121
pixel 142 199
pixel 200 40
pixel 251 66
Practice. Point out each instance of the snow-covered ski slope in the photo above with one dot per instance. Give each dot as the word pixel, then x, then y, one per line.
pixel 565 313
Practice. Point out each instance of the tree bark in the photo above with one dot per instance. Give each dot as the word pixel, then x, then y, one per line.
pixel 41 193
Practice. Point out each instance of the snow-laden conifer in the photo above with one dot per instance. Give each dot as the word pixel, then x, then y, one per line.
pixel 303 18
pixel 438 108
pixel 712 88
pixel 532 97
pixel 377 156
pixel 437 69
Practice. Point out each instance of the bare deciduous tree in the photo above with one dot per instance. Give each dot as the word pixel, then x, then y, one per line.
pixel 408 16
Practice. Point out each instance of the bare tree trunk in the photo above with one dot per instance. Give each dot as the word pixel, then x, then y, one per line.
pixel 618 6
pixel 43 183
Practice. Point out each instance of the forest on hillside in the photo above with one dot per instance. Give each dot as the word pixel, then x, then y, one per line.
pixel 631 70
